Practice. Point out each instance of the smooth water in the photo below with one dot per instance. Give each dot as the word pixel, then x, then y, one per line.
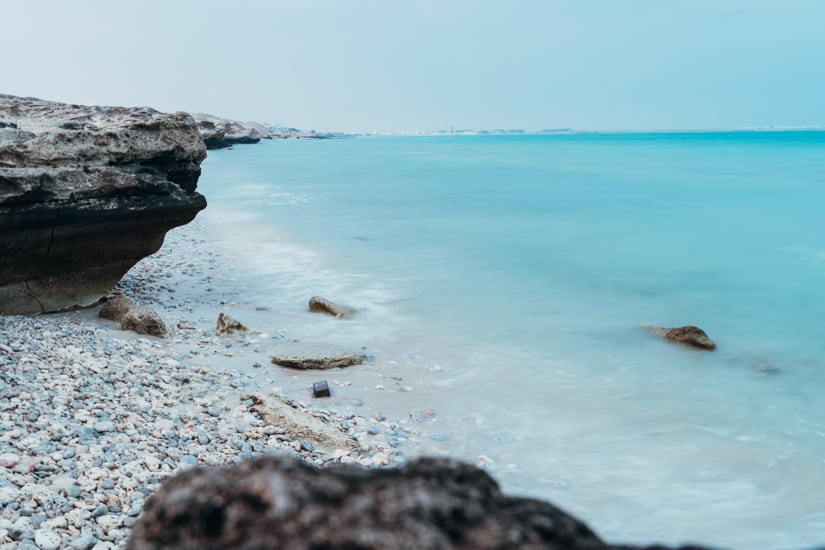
pixel 507 280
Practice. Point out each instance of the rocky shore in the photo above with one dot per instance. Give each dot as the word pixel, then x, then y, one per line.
pixel 94 418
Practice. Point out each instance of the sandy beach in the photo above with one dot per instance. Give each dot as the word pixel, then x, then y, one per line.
pixel 94 418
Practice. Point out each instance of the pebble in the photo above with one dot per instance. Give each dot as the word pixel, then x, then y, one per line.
pixel 47 540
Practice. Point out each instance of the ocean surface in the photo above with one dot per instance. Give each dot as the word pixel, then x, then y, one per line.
pixel 505 282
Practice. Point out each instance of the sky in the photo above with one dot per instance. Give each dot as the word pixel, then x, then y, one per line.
pixel 419 65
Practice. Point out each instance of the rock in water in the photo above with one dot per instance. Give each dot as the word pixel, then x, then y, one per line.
pixel 228 325
pixel 322 305
pixel 116 307
pixel 689 335
pixel 278 502
pixel 85 193
pixel 319 363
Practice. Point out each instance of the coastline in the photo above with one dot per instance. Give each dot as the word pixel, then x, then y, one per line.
pixel 95 418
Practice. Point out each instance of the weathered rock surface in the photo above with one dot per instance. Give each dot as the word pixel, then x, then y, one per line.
pixel 85 193
pixel 219 133
pixel 299 425
pixel 322 305
pixel 688 335
pixel 277 502
pixel 226 325
pixel 319 363
pixel 132 316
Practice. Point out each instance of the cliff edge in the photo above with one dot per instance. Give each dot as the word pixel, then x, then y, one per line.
pixel 85 193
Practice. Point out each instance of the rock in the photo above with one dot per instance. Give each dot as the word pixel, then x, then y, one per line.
pixel 297 424
pixel 47 540
pixel 132 316
pixel 219 133
pixel 322 305
pixel 116 307
pixel 228 325
pixel 85 193
pixel 143 320
pixel 277 502
pixel 688 335
pixel 319 363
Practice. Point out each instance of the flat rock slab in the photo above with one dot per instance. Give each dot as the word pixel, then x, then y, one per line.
pixel 298 424
pixel 319 363
pixel 279 502
pixel 688 335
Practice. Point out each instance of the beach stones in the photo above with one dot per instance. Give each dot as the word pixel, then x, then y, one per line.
pixel 319 363
pixel 688 335
pixel 228 325
pixel 322 305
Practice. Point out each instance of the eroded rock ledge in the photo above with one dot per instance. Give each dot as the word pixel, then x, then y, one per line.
pixel 85 193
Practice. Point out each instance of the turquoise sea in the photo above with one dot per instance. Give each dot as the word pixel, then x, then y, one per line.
pixel 506 281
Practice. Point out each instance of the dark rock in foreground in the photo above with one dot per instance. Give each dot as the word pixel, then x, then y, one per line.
pixel 278 502
pixel 85 193
pixel 322 305
pixel 687 335
pixel 319 363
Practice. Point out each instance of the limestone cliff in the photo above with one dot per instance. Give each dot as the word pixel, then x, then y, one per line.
pixel 85 193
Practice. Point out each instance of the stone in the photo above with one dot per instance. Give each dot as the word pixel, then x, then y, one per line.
pixel 85 193
pixel 116 307
pixel 133 316
pixel 47 540
pixel 320 389
pixel 279 502
pixel 688 335
pixel 319 363
pixel 322 305
pixel 143 320
pixel 220 133
pixel 228 325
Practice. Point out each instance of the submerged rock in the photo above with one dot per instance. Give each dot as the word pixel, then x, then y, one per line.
pixel 85 193
pixel 688 335
pixel 322 305
pixel 132 316
pixel 278 502
pixel 319 363
pixel 228 325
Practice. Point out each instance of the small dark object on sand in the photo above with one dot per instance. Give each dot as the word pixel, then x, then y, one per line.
pixel 320 389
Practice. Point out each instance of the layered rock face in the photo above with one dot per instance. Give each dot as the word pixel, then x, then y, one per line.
pixel 278 502
pixel 85 193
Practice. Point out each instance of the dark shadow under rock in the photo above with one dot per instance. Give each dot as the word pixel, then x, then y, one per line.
pixel 279 502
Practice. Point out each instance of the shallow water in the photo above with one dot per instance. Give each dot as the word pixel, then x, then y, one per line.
pixel 506 280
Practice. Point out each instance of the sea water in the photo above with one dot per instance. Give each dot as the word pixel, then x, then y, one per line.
pixel 505 283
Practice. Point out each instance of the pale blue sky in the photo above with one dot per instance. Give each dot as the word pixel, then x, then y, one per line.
pixel 426 64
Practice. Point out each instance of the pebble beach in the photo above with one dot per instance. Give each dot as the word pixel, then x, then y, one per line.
pixel 93 418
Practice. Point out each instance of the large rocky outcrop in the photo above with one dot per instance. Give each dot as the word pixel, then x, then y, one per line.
pixel 85 193
pixel 277 502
